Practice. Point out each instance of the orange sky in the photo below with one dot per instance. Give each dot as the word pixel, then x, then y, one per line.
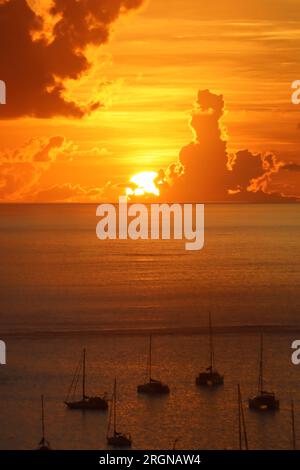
pixel 147 77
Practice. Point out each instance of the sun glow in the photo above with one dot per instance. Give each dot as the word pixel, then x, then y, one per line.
pixel 143 184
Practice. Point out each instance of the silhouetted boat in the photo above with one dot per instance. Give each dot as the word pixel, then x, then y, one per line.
pixel 152 387
pixel 43 444
pixel 86 402
pixel 210 377
pixel 243 438
pixel 294 441
pixel 116 439
pixel 263 401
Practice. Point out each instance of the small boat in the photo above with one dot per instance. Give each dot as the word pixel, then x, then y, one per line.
pixel 152 387
pixel 294 440
pixel 210 377
pixel 243 438
pixel 263 401
pixel 116 439
pixel 43 444
pixel 86 402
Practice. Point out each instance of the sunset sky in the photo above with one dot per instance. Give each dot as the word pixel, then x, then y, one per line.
pixel 131 108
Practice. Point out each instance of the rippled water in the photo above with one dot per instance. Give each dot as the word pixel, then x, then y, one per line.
pixel 61 289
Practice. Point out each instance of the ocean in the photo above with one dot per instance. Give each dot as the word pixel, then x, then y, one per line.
pixel 62 289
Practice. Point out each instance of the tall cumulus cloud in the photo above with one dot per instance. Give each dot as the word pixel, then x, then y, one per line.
pixel 205 171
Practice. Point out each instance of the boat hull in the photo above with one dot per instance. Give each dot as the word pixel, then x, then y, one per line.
pixel 93 403
pixel 44 445
pixel 119 441
pixel 263 403
pixel 154 388
pixel 209 379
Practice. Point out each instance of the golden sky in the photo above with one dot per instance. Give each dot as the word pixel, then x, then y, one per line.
pixel 146 75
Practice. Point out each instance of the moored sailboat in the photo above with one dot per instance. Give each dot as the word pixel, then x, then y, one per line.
pixel 210 377
pixel 116 439
pixel 85 402
pixel 43 444
pixel 152 387
pixel 263 401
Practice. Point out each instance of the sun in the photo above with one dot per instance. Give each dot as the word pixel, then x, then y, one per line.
pixel 143 183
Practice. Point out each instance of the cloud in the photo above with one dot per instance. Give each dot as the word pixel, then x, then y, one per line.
pixel 205 171
pixel 201 170
pixel 67 193
pixel 252 172
pixel 293 167
pixel 39 52
pixel 21 169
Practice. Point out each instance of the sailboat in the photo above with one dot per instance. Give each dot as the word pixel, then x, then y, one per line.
pixel 243 438
pixel 86 402
pixel 43 444
pixel 152 387
pixel 263 401
pixel 294 441
pixel 116 439
pixel 210 377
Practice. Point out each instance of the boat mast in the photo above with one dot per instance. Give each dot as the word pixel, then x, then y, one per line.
pixel 83 375
pixel 43 420
pixel 293 426
pixel 115 407
pixel 150 358
pixel 261 366
pixel 109 419
pixel 242 423
pixel 240 418
pixel 211 345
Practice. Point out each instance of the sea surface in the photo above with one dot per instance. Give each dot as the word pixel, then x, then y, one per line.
pixel 62 289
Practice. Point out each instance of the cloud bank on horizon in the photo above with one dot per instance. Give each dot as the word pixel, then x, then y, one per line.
pixel 204 171
pixel 21 170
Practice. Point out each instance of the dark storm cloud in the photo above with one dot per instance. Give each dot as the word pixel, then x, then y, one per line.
pixel 34 64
